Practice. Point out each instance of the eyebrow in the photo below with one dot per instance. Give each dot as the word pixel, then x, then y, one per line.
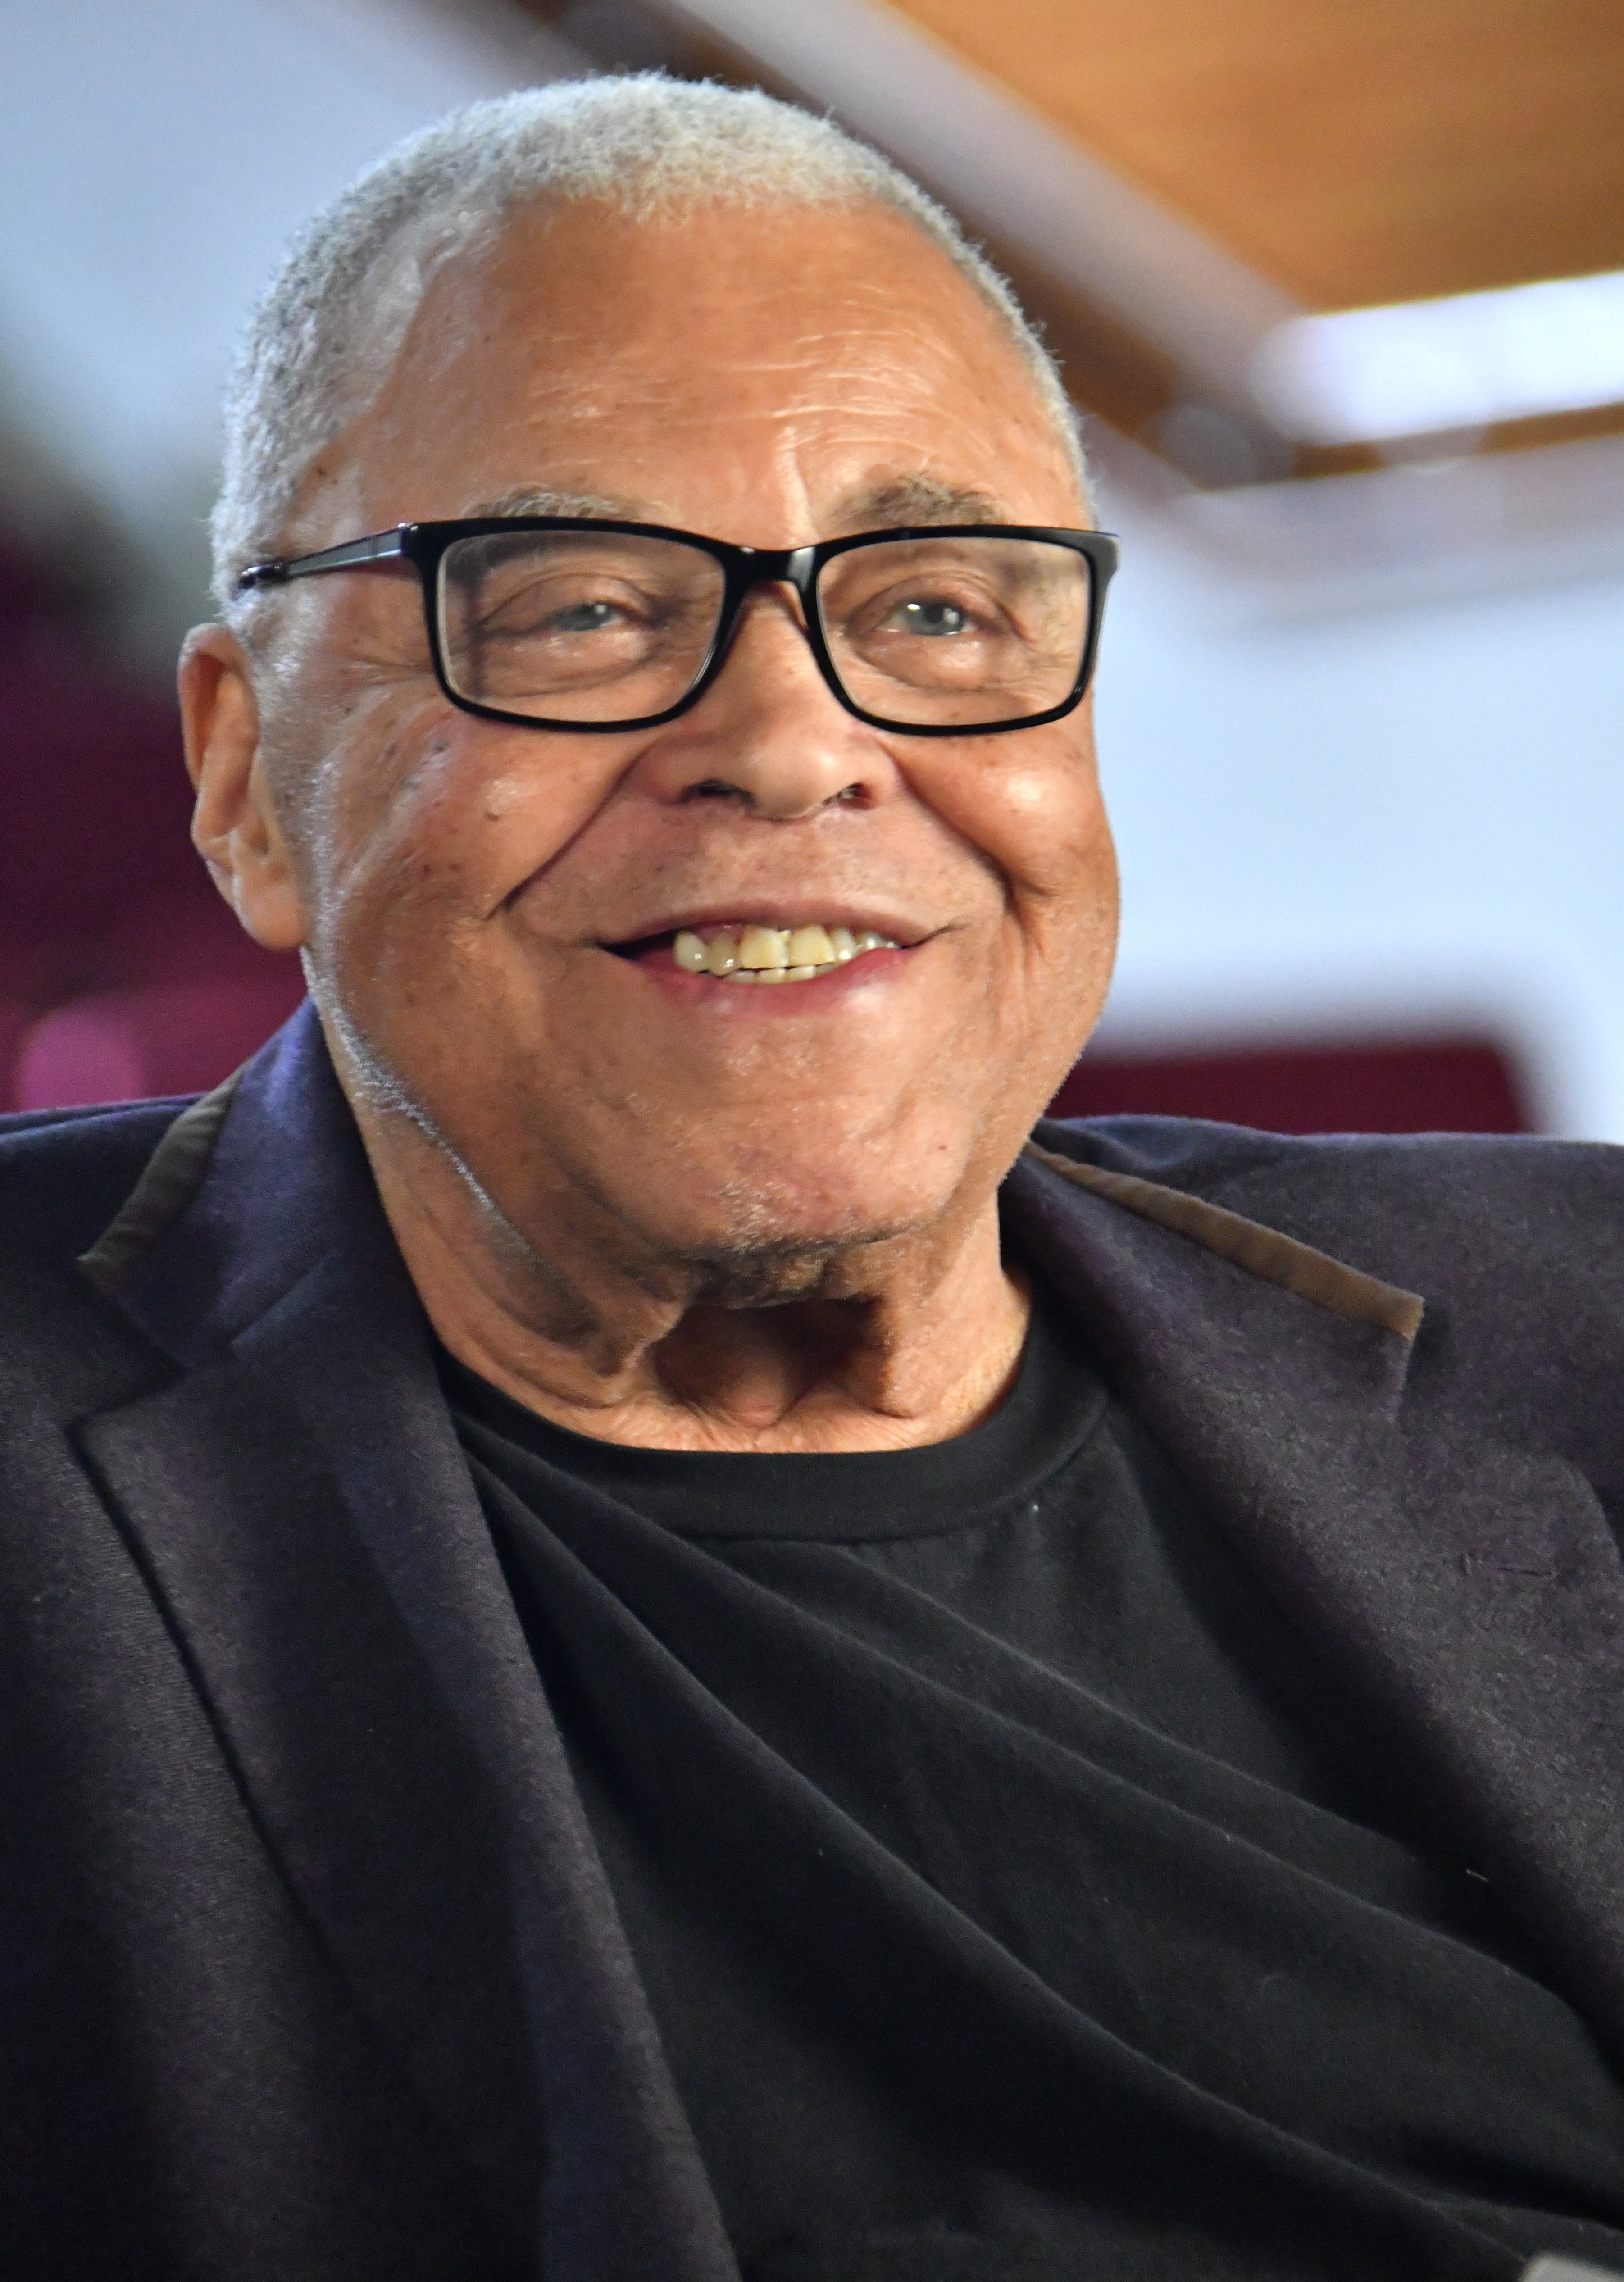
pixel 915 498
pixel 892 503
pixel 537 500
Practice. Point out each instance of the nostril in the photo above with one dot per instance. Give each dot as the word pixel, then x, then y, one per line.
pixel 714 789
pixel 850 795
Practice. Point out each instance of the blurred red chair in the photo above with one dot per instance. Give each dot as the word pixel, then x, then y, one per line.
pixel 103 899
pixel 169 1037
pixel 15 1018
pixel 1411 1085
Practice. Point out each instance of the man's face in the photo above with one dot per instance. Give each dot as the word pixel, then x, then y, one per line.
pixel 469 890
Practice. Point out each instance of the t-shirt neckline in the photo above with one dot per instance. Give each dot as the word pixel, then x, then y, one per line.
pixel 1053 1406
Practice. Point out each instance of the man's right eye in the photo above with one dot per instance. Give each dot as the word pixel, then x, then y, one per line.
pixel 535 613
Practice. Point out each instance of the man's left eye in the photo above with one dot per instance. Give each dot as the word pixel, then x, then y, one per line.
pixel 933 617
pixel 583 619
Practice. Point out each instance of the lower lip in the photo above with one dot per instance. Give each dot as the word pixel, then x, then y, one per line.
pixel 754 998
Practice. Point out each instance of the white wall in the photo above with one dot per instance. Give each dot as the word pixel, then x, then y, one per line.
pixel 1376 820
pixel 1355 818
pixel 154 159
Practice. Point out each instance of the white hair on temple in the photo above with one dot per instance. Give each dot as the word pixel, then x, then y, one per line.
pixel 319 346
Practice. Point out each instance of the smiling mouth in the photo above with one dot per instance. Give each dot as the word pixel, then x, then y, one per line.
pixel 745 952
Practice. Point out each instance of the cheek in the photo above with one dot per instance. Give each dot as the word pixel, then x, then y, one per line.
pixel 448 817
pixel 1035 814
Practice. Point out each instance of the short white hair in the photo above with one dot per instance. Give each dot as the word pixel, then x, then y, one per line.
pixel 319 346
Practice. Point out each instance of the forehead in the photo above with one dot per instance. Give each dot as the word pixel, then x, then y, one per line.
pixel 743 371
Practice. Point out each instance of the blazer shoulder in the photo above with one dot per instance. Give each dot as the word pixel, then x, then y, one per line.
pixel 1473 1218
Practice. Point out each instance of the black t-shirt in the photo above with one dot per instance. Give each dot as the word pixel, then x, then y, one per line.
pixel 1016 1894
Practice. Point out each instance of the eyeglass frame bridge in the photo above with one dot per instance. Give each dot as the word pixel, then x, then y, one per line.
pixel 424 545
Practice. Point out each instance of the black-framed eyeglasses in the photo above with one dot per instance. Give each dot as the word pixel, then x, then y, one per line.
pixel 569 622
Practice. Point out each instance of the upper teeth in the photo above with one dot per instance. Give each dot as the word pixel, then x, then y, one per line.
pixel 763 954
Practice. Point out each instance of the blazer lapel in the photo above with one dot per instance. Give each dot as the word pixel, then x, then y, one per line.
pixel 1474 1591
pixel 303 1510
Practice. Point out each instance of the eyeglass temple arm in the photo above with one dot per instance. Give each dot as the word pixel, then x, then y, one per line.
pixel 378 548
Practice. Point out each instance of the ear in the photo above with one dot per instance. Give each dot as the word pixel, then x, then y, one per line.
pixel 235 827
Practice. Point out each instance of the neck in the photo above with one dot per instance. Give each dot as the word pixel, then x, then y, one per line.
pixel 888 1345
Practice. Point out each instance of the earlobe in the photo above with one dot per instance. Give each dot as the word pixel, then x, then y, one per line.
pixel 235 826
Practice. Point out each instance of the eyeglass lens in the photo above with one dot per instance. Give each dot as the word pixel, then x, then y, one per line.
pixel 592 626
pixel 949 629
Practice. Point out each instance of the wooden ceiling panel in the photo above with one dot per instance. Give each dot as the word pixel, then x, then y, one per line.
pixel 1379 152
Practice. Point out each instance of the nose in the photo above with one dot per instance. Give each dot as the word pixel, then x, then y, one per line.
pixel 769 732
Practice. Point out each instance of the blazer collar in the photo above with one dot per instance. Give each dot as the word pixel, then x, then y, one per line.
pixel 251 1187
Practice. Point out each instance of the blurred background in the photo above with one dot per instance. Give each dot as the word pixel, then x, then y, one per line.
pixel 1340 293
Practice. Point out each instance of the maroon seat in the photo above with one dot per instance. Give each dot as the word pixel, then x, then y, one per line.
pixel 15 1018
pixel 94 802
pixel 165 1037
pixel 1428 1085
pixel 102 895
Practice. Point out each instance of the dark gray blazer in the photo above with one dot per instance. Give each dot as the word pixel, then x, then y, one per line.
pixel 309 1971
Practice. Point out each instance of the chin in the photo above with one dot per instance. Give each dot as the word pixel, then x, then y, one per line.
pixel 776 1216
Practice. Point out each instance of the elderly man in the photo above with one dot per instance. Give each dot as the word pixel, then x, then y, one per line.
pixel 641 1644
